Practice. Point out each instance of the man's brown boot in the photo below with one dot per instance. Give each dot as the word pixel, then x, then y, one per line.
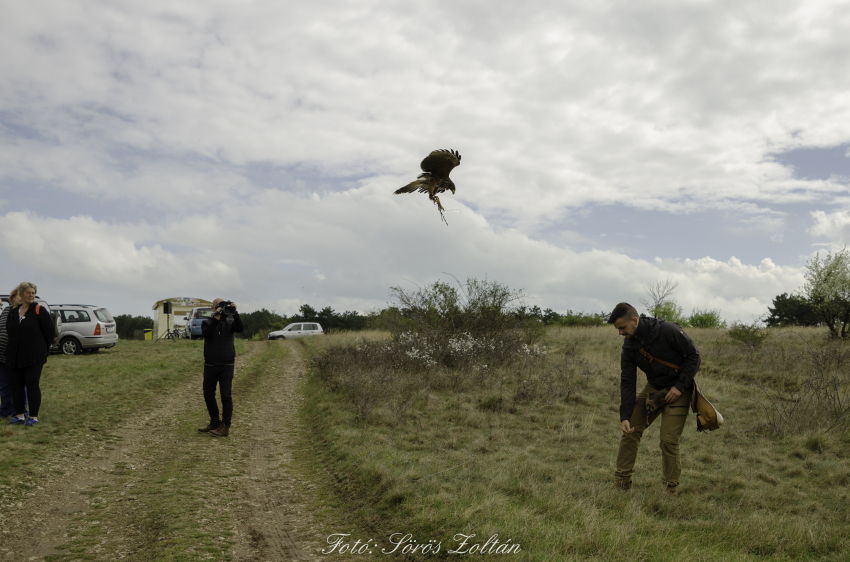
pixel 208 428
pixel 222 431
pixel 624 485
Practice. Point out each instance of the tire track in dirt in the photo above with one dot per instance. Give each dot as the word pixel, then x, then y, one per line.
pixel 91 500
pixel 37 526
pixel 275 512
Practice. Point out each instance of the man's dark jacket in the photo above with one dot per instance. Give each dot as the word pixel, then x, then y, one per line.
pixel 218 339
pixel 663 340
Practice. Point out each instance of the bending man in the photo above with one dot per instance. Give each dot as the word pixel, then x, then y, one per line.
pixel 669 358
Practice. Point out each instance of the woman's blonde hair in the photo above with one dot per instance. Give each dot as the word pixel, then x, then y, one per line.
pixel 22 288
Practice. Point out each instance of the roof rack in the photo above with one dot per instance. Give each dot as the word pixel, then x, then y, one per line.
pixel 91 305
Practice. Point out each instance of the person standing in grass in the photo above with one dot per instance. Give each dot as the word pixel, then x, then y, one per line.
pixel 219 359
pixel 30 332
pixel 7 408
pixel 670 360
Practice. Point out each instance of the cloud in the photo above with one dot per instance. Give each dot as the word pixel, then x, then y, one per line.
pixel 668 105
pixel 346 249
pixel 252 148
pixel 834 227
pixel 84 250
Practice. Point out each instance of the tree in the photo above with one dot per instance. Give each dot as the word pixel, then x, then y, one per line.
pixel 670 311
pixel 661 304
pixel 659 292
pixel 792 310
pixel 261 321
pixel 827 288
pixel 132 327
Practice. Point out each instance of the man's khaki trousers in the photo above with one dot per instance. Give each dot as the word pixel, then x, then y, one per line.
pixel 673 418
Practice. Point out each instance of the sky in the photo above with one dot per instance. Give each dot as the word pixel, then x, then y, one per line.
pixel 249 150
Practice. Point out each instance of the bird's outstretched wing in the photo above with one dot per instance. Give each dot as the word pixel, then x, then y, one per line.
pixel 440 163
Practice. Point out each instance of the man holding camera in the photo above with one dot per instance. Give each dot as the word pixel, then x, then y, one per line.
pixel 219 358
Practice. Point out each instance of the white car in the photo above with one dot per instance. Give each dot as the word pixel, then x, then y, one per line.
pixel 299 330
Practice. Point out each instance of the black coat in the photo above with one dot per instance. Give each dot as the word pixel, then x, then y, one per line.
pixel 218 339
pixel 29 340
pixel 663 340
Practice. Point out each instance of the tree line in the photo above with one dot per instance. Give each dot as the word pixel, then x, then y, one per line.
pixel 823 300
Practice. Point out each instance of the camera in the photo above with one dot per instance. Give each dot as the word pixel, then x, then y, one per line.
pixel 227 308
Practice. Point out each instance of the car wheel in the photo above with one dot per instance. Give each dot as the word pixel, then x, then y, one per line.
pixel 70 346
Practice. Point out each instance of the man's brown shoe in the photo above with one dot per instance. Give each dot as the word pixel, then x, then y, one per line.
pixel 222 431
pixel 208 428
pixel 624 485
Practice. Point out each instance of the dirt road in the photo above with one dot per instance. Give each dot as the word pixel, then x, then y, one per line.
pixel 153 488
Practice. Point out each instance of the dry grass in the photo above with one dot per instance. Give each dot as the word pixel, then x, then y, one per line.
pixel 527 451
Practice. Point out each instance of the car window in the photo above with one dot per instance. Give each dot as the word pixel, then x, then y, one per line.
pixel 75 316
pixel 103 315
pixel 310 327
pixel 204 313
pixel 294 328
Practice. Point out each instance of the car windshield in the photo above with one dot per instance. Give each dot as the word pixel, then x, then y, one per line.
pixel 103 315
pixel 204 313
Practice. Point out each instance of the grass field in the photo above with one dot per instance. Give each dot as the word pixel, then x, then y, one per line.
pixel 527 453
pixel 82 393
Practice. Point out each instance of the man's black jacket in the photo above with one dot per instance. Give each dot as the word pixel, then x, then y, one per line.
pixel 218 339
pixel 663 340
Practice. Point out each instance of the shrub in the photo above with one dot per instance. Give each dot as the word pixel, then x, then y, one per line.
pixel 670 311
pixel 580 319
pixel 396 370
pixel 750 335
pixel 706 319
pixel 482 308
pixel 821 402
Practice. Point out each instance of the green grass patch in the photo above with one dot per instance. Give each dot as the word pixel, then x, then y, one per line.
pixel 491 457
pixel 90 392
pixel 180 507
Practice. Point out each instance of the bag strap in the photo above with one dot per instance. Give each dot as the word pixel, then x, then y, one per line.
pixel 37 309
pixel 650 358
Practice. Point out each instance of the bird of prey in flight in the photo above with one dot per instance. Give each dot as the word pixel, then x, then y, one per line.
pixel 434 178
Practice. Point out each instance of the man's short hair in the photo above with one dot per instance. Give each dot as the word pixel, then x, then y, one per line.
pixel 623 310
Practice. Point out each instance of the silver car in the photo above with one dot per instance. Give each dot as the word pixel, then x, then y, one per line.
pixel 300 330
pixel 85 328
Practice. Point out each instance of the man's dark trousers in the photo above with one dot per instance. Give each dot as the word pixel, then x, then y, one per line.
pixel 223 376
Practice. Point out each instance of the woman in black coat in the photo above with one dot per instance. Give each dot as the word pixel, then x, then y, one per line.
pixel 30 331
